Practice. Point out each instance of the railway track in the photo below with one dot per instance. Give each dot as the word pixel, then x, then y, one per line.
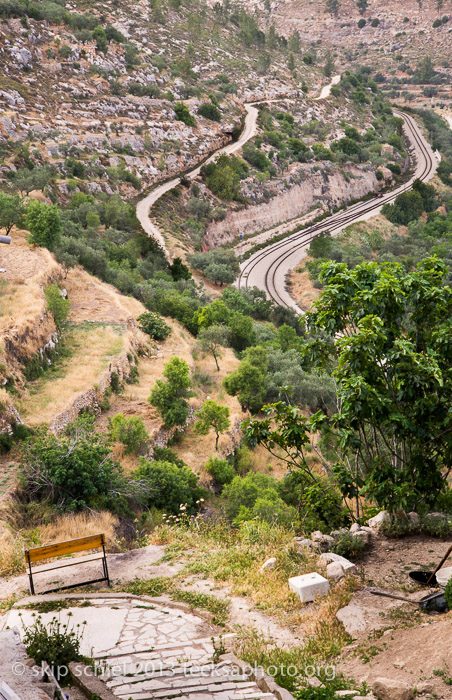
pixel 267 269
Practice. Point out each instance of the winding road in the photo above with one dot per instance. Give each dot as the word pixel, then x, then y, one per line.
pixel 267 269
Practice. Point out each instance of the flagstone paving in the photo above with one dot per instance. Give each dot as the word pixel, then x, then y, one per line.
pixel 150 650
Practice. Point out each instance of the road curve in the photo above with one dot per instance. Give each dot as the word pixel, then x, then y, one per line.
pixel 267 269
pixel 249 130
pixel 144 205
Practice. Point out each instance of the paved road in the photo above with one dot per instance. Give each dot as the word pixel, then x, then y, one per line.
pixel 145 204
pixel 268 268
pixel 249 130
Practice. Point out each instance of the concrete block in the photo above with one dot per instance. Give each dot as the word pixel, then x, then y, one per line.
pixel 309 586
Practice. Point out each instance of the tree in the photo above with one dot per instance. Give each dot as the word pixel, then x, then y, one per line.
pixel 169 486
pixel 100 38
pixel 74 470
pixel 183 114
pixel 212 339
pixel 362 6
pixel 170 397
pixel 332 7
pixel 212 416
pixel 407 207
pixel 328 68
pixel 130 431
pixel 44 223
pixel 294 44
pixel 291 63
pixel 210 111
pixel 10 211
pixel 392 355
pixel 248 381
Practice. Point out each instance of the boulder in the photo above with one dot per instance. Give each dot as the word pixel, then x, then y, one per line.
pixel 382 518
pixel 269 564
pixel 328 557
pixel 425 687
pixel 414 519
pixel 352 617
pixel 321 541
pixel 356 527
pixel 302 543
pixel 388 689
pixel 335 571
pixel 363 535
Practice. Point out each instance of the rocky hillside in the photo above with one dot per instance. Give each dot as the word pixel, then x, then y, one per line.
pixel 109 97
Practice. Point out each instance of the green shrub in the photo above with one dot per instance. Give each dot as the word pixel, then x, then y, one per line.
pixel 170 397
pixel 210 111
pixel 256 497
pixel 44 223
pixel 6 442
pixel 349 545
pixel 131 432
pixel 58 305
pixel 437 525
pixel 221 470
pixel 170 486
pixel 56 643
pixel 183 114
pixel 74 470
pixel 448 593
pixel 153 325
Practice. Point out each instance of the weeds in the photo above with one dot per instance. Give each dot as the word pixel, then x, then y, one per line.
pixel 158 586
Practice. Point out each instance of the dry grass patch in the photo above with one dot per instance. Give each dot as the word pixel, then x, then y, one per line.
pixel 235 557
pixel 91 351
pixel 63 527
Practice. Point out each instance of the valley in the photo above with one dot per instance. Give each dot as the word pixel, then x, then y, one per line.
pixel 225 322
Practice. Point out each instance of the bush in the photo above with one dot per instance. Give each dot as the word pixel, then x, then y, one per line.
pixel 183 114
pixel 58 644
pixel 74 470
pixel 131 432
pixel 170 396
pixel 210 111
pixel 349 546
pixel 256 497
pixel 170 486
pixel 437 525
pixel 58 305
pixel 221 470
pixel 448 593
pixel 153 325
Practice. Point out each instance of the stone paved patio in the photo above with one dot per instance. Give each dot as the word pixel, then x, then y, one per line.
pixel 150 650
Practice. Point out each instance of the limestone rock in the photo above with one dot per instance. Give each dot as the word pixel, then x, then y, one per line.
pixel 302 543
pixel 388 689
pixel 363 535
pixel 321 541
pixel 414 519
pixel 382 518
pixel 269 564
pixel 352 617
pixel 356 527
pixel 335 571
pixel 425 687
pixel 328 557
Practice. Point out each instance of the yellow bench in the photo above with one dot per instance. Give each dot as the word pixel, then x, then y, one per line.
pixel 61 549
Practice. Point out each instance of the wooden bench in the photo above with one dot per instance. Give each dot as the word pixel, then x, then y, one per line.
pixel 61 549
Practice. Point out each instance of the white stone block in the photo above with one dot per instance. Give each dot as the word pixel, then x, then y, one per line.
pixel 309 586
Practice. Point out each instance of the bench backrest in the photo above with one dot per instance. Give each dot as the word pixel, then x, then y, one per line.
pixel 59 549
